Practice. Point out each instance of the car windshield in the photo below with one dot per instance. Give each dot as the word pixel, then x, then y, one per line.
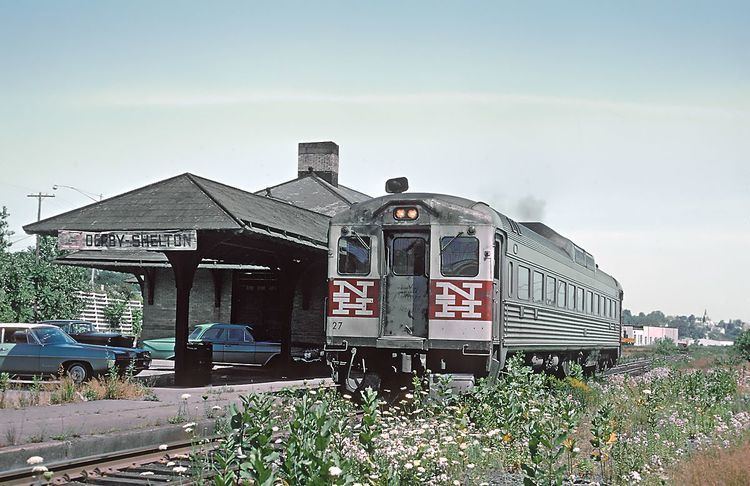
pixel 52 335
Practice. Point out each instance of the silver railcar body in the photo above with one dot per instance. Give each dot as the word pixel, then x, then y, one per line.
pixel 434 281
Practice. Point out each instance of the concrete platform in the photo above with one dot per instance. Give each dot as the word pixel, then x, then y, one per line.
pixel 58 432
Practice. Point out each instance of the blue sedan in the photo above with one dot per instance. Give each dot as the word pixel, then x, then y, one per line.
pixel 232 343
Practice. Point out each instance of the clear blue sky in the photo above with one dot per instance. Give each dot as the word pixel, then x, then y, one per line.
pixel 625 125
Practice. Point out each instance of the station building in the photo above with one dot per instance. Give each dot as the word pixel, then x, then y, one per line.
pixel 263 254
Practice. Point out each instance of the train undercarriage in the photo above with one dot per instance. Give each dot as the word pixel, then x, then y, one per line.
pixel 358 368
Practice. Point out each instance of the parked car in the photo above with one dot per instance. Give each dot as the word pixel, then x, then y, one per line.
pixel 85 332
pixel 232 343
pixel 44 349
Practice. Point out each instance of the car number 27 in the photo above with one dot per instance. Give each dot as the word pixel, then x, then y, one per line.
pixel 336 325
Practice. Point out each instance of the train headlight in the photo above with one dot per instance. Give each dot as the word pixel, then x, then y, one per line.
pixel 408 214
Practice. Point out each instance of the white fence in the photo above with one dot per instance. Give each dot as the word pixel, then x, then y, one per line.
pixel 94 311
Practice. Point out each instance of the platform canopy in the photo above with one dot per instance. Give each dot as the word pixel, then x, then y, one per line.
pixel 233 227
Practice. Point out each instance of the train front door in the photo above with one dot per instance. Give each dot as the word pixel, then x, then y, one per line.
pixel 406 285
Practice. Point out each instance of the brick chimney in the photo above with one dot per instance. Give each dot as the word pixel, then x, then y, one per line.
pixel 322 158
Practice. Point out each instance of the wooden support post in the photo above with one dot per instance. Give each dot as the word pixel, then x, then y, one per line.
pixel 289 275
pixel 218 277
pixel 184 264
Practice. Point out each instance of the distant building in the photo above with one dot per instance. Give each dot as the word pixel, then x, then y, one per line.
pixel 712 342
pixel 648 335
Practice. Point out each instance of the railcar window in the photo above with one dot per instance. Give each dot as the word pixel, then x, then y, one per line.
pixel 459 256
pixel 606 307
pixel 550 290
pixel 571 297
pixel 523 282
pixel 354 255
pixel 496 268
pixel 408 256
pixel 538 284
pixel 579 299
pixel 589 301
pixel 596 304
pixel 510 278
pixel 562 290
pixel 614 309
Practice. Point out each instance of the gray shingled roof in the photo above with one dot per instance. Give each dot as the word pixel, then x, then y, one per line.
pixel 313 193
pixel 187 201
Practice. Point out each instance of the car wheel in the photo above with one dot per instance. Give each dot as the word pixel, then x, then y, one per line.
pixel 78 372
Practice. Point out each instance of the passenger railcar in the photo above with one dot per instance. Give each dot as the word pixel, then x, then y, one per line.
pixel 431 281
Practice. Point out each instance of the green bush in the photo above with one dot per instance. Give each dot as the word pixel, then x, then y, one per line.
pixel 742 344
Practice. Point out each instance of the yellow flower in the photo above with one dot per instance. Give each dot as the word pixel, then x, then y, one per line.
pixel 569 443
pixel 507 438
pixel 612 438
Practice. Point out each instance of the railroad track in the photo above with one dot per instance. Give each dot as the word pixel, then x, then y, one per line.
pixel 134 467
pixel 122 467
pixel 637 367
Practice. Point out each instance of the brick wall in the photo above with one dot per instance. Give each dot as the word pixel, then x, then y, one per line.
pixel 309 302
pixel 158 319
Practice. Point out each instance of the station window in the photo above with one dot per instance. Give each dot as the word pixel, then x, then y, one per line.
pixel 571 297
pixel 523 282
pixel 538 287
pixel 409 256
pixel 589 301
pixel 354 255
pixel 550 290
pixel 579 299
pixel 562 291
pixel 459 256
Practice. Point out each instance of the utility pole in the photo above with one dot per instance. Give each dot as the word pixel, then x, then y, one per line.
pixel 39 198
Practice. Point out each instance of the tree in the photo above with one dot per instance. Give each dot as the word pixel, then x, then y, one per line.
pixel 742 344
pixel 5 233
pixel 26 284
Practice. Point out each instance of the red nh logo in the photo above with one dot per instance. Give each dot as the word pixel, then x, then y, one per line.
pixel 353 297
pixel 461 300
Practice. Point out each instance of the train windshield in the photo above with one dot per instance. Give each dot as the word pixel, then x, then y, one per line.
pixel 354 255
pixel 460 256
pixel 409 256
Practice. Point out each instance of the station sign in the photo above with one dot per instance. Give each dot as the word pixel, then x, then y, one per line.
pixel 167 240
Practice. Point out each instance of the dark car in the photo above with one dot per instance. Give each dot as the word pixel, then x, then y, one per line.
pixel 232 343
pixel 85 332
pixel 42 349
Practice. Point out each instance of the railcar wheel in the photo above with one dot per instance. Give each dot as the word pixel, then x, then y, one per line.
pixel 78 372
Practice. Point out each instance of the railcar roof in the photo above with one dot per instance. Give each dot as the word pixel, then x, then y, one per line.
pixel 534 230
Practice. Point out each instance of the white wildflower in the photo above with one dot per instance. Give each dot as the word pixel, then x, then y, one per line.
pixel 163 447
pixel 313 392
pixel 188 430
pixel 647 392
pixel 147 473
pixel 170 464
pixel 576 450
pixel 189 425
pixel 274 429
pixel 635 476
pixel 408 465
pixel 347 396
pixel 34 460
pixel 470 466
pixel 409 396
pixel 185 396
pixel 179 469
pixel 216 408
pixel 334 471
pixel 39 469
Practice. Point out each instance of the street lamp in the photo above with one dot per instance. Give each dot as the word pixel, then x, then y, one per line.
pixel 88 195
pixel 85 193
